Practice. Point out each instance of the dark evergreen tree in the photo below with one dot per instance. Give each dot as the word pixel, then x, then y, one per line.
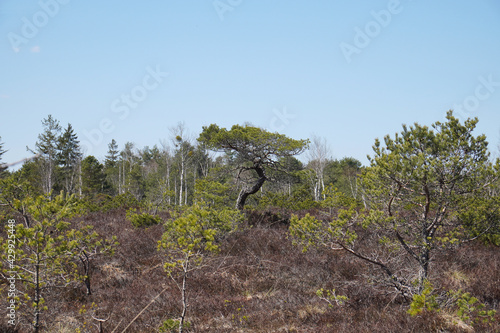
pixel 112 156
pixel 93 176
pixel 111 167
pixel 69 158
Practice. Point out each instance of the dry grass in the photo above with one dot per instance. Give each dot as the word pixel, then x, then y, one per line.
pixel 260 282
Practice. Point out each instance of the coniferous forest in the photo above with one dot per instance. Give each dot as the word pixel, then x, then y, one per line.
pixel 244 230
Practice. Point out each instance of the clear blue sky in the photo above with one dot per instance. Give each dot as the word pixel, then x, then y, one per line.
pixel 348 71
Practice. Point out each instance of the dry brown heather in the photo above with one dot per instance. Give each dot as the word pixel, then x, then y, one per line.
pixel 260 282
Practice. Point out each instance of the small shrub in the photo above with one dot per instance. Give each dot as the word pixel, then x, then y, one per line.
pixel 466 307
pixel 142 220
pixel 299 199
pixel 125 200
pixel 424 301
pixel 331 297
pixel 470 310
pixel 103 202
pixel 172 325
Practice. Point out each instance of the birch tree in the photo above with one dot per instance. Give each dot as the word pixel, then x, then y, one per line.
pixel 46 146
pixel 184 151
pixel 318 155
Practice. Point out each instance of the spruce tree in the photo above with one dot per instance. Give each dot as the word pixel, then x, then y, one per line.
pixel 69 158
pixel 111 167
pixel 112 156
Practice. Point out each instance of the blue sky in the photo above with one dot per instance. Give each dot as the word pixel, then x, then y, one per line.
pixel 348 71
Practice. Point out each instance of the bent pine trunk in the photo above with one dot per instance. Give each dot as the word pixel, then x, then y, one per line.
pixel 245 191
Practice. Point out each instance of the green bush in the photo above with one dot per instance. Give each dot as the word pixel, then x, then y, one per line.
pixel 426 300
pixel 103 202
pixel 140 220
pixel 462 304
pixel 300 199
pixel 172 325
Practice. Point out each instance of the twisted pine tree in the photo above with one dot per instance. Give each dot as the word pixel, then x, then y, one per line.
pixel 253 150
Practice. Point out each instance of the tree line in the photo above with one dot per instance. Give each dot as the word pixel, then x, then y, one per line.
pixel 166 174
